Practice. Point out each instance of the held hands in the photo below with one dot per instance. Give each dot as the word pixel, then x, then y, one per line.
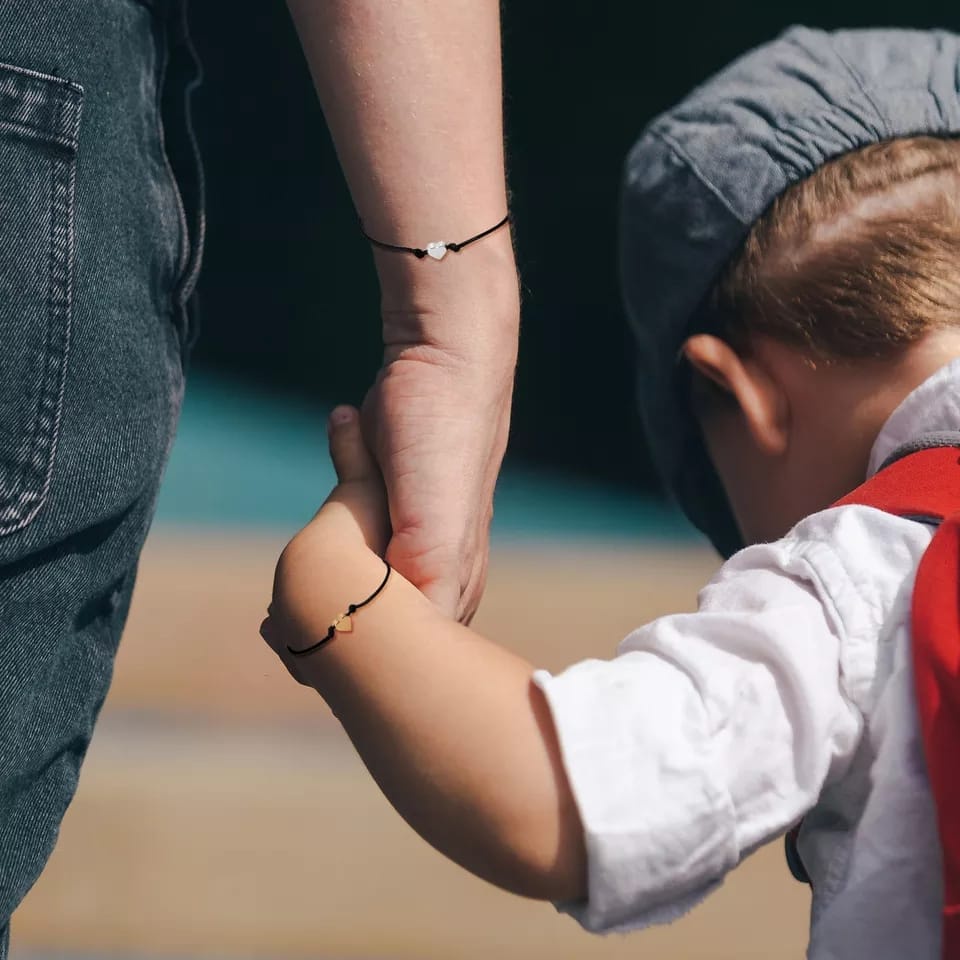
pixel 418 490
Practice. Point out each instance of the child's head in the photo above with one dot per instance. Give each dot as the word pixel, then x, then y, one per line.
pixel 844 296
pixel 789 240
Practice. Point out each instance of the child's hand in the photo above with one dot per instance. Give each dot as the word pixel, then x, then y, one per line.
pixel 326 564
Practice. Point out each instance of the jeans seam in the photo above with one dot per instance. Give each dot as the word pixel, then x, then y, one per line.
pixel 183 254
pixel 25 481
pixel 188 281
pixel 35 475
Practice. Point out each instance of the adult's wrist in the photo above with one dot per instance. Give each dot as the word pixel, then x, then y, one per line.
pixel 467 305
pixel 488 264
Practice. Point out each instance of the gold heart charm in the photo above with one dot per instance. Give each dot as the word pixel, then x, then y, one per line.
pixel 343 624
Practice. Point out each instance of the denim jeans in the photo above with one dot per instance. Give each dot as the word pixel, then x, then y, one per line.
pixel 100 248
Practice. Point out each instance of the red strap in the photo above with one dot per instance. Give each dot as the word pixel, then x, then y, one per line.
pixel 927 484
pixel 936 668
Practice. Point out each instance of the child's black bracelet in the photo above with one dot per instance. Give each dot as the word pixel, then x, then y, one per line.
pixel 343 623
pixel 438 249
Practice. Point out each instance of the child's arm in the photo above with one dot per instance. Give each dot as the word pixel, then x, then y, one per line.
pixel 450 725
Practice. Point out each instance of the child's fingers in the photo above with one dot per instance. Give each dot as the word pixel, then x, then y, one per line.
pixel 350 456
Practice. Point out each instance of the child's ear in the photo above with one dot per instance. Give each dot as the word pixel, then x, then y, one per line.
pixel 713 359
pixel 761 401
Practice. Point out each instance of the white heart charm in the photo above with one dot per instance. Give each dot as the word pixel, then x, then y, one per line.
pixel 437 250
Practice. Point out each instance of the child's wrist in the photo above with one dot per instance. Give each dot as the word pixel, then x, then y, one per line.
pixel 324 569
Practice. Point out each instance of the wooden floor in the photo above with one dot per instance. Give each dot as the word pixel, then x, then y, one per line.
pixel 222 812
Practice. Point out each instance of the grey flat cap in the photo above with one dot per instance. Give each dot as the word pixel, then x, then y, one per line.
pixel 704 171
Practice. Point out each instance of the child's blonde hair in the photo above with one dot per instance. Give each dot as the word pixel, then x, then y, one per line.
pixel 857 260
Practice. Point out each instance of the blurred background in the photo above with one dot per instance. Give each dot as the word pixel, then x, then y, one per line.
pixel 221 812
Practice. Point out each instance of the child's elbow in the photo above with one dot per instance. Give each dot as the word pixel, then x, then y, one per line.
pixel 558 882
pixel 546 865
pixel 541 825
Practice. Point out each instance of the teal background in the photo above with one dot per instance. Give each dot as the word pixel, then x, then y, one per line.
pixel 246 459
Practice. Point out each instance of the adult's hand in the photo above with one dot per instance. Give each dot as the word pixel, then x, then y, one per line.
pixel 411 91
pixel 438 416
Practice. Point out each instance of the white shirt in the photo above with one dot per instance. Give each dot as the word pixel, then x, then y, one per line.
pixel 787 695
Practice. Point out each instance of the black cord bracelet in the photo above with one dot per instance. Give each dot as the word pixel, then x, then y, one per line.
pixel 438 249
pixel 343 623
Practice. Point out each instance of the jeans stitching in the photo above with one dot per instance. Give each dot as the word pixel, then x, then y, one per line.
pixel 35 475
pixel 23 485
pixel 63 93
pixel 189 280
pixel 183 254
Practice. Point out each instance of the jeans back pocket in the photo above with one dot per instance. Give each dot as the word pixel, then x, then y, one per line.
pixel 39 127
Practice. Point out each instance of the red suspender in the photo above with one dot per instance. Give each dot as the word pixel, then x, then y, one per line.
pixel 936 667
pixel 926 484
pixel 921 484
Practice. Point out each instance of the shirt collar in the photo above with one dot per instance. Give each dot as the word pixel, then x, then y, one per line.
pixel 933 407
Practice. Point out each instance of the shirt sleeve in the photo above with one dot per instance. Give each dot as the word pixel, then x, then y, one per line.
pixel 709 734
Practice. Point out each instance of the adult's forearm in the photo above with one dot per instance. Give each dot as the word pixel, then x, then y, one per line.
pixel 412 94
